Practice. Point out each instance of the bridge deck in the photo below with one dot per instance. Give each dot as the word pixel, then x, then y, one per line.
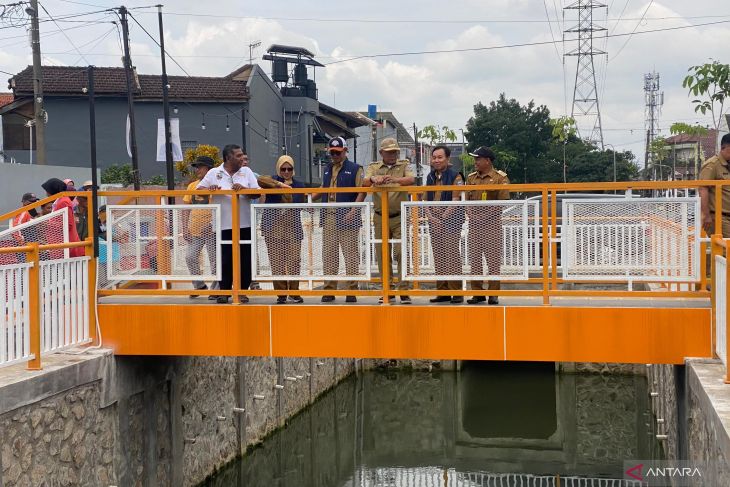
pixel 520 328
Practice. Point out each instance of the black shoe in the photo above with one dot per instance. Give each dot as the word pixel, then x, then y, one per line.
pixel 405 300
pixel 328 299
pixel 281 300
pixel 457 300
pixel 221 299
pixel 476 300
pixel 493 300
pixel 440 299
pixel 351 299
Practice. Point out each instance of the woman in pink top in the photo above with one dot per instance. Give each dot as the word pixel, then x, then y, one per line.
pixel 54 186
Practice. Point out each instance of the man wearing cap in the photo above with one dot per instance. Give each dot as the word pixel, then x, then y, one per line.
pixel 390 172
pixel 81 217
pixel 24 217
pixel 341 226
pixel 485 222
pixel 445 223
pixel 197 225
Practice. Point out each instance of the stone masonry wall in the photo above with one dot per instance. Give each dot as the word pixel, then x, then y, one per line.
pixel 155 421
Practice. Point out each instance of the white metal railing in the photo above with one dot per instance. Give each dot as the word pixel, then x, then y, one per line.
pixel 47 229
pixel 720 291
pixel 631 240
pixel 64 303
pixel 516 225
pixel 14 314
pixel 310 241
pixel 170 242
pixel 440 477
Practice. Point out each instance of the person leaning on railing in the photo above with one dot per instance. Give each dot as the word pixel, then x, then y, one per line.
pixel 282 231
pixel 232 175
pixel 445 223
pixel 390 172
pixel 197 224
pixel 716 168
pixel 485 222
pixel 54 186
pixel 341 226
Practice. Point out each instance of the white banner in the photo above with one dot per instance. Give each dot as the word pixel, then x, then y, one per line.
pixel 177 154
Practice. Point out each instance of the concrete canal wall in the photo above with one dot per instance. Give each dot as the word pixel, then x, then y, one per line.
pixel 691 405
pixel 96 420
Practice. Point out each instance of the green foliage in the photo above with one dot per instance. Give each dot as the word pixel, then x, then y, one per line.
pixel 659 150
pixel 685 128
pixel 437 135
pixel 467 163
pixel 531 147
pixel 564 128
pixel 122 174
pixel 191 154
pixel 710 84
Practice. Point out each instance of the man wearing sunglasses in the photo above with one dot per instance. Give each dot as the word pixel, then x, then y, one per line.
pixel 233 175
pixel 341 226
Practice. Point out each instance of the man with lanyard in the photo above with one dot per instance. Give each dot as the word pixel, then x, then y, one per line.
pixel 445 223
pixel 232 175
pixel 390 172
pixel 341 226
pixel 485 222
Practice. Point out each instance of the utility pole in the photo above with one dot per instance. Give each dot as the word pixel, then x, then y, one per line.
pixel 166 108
pixel 585 90
pixel 130 97
pixel 39 114
pixel 94 182
pixel 419 171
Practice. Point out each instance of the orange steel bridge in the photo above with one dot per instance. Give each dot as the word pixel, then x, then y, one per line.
pixel 542 316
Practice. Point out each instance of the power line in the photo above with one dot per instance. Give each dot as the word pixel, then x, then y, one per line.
pixel 636 27
pixel 508 46
pixel 63 32
pixel 620 15
pixel 550 25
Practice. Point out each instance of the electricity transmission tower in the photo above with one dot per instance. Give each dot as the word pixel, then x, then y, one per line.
pixel 653 100
pixel 586 109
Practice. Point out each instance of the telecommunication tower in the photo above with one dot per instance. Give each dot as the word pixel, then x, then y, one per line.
pixel 653 100
pixel 586 108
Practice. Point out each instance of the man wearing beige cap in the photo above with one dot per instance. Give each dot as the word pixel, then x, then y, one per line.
pixel 390 172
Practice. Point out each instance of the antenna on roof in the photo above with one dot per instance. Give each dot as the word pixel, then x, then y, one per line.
pixel 251 47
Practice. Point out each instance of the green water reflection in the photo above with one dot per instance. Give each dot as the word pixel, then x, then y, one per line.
pixel 489 424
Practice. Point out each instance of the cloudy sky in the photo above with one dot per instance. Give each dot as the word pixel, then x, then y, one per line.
pixel 212 38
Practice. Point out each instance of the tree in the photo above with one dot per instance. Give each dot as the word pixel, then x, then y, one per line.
pixel 437 135
pixel 710 83
pixel 659 151
pixel 564 129
pixel 685 128
pixel 522 134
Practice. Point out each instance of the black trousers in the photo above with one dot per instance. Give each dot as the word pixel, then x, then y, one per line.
pixel 227 259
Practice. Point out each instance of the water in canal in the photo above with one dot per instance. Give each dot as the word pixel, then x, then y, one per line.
pixel 501 424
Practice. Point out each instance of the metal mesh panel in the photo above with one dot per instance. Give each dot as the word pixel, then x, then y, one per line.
pixel 47 229
pixel 721 307
pixel 311 241
pixel 175 242
pixel 14 316
pixel 458 240
pixel 633 240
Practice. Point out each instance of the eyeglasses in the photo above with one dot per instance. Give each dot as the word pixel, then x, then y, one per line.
pixel 287 169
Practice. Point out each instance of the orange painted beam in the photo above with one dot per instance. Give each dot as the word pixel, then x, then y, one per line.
pixel 539 333
pixel 624 335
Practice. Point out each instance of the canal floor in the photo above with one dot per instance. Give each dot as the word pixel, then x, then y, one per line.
pixel 492 423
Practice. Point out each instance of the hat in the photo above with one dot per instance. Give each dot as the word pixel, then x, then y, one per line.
pixel 203 161
pixel 29 197
pixel 69 181
pixel 389 144
pixel 485 152
pixel 87 183
pixel 337 144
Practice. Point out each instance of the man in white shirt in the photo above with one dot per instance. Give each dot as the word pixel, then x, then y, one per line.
pixel 233 175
